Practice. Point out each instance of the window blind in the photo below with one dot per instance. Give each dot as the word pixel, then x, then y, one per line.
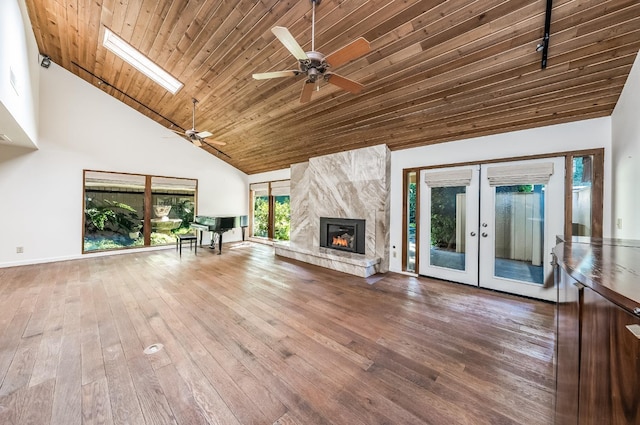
pixel 509 175
pixel 449 178
pixel 280 188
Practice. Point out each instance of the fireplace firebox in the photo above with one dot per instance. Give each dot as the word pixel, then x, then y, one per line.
pixel 344 234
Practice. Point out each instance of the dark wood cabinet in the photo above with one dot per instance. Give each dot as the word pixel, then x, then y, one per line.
pixel 609 364
pixel 567 349
pixel 597 354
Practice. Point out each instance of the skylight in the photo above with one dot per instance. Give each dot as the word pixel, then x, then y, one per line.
pixel 139 61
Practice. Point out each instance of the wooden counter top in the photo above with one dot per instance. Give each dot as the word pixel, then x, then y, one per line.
pixel 610 267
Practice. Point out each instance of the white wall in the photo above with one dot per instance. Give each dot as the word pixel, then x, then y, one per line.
pixel 588 134
pixel 81 127
pixel 18 58
pixel 270 176
pixel 625 135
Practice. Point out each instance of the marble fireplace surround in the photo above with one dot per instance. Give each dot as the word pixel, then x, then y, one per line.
pixel 351 184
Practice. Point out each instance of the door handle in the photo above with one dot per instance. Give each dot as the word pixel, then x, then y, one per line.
pixel 473 233
pixel 485 234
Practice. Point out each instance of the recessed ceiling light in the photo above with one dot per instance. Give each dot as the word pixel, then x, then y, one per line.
pixel 139 61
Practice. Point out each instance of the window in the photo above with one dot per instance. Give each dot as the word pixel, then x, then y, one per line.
pixel 410 229
pixel 173 205
pixel 581 195
pixel 271 212
pixel 133 210
pixel 584 194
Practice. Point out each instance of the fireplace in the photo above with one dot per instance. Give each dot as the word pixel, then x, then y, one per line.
pixel 344 234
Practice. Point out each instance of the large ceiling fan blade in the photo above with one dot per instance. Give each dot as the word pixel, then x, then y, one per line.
pixel 285 37
pixel 276 74
pixel 204 134
pixel 344 83
pixel 351 51
pixel 196 142
pixel 307 91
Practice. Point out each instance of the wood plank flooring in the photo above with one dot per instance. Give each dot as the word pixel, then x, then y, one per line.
pixel 250 338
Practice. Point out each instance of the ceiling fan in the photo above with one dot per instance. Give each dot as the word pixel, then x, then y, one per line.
pixel 197 137
pixel 314 64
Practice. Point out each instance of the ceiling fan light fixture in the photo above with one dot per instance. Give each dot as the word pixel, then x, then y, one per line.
pixel 129 54
pixel 314 64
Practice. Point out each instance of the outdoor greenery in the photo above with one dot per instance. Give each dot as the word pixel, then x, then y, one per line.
pixel 162 238
pixel 102 243
pixel 443 216
pixel 261 216
pixel 581 177
pixel 183 209
pixel 522 188
pixel 101 215
pixel 113 225
pixel 412 203
pixel 282 217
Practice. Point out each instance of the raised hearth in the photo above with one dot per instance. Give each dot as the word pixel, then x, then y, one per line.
pixel 346 262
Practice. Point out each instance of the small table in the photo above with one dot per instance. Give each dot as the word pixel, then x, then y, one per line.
pixel 193 241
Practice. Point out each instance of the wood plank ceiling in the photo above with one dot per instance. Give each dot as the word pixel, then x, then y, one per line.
pixel 437 71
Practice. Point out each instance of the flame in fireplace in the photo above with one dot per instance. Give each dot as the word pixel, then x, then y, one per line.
pixel 340 241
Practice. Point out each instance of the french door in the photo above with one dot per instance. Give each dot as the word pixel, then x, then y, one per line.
pixel 493 225
pixel 449 224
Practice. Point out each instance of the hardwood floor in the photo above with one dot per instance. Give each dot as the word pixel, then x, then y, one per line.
pixel 250 338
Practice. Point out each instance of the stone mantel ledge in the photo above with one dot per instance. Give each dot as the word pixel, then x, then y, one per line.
pixel 345 262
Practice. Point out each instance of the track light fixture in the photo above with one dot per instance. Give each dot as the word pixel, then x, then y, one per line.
pixel 45 62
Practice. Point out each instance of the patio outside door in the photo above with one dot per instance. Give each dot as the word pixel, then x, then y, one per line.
pixel 493 225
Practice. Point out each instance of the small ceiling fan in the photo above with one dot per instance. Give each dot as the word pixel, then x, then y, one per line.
pixel 314 64
pixel 197 137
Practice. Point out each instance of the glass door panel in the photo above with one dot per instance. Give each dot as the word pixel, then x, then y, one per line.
pixel 581 188
pixel 448 223
pixel 519 224
pixel 411 219
pixel 260 215
pixel 282 217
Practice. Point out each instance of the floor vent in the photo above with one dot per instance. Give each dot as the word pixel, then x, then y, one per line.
pixel 153 348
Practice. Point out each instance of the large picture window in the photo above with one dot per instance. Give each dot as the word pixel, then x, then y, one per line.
pixel 133 210
pixel 271 212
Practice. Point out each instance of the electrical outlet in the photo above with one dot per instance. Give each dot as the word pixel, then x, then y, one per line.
pixel 619 223
pixel 19 250
pixel 394 254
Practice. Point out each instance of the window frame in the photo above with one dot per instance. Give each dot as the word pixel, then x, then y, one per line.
pixel 272 184
pixel 147 207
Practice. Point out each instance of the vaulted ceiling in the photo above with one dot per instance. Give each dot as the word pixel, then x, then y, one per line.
pixel 437 70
